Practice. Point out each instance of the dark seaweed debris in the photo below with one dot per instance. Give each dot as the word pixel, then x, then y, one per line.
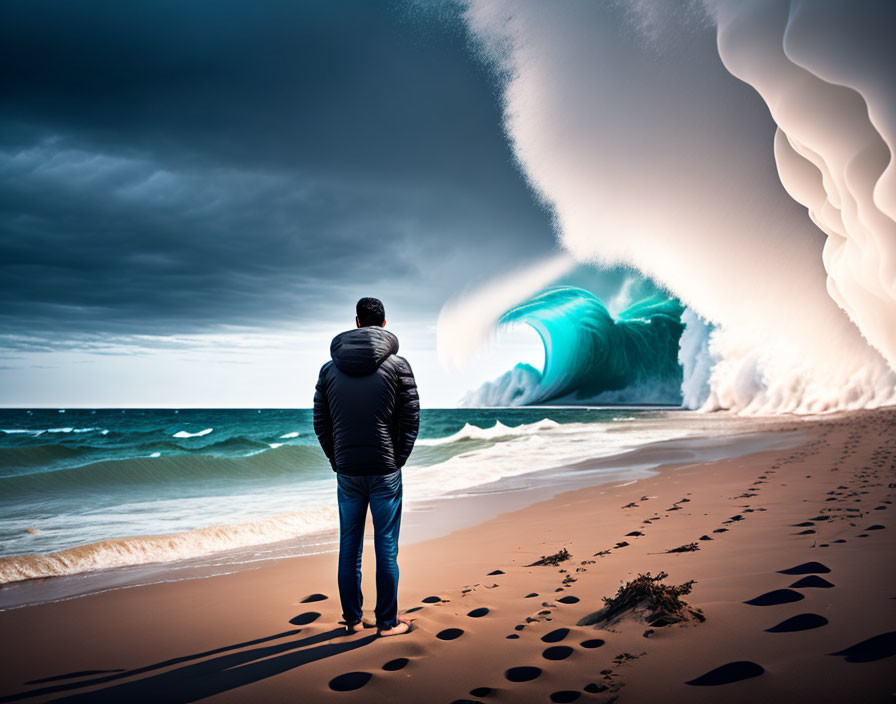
pixel 554 559
pixel 690 547
pixel 661 602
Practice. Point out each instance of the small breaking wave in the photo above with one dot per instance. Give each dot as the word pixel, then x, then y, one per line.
pixel 288 436
pixel 185 434
pixel 497 432
pixel 121 552
pixel 41 431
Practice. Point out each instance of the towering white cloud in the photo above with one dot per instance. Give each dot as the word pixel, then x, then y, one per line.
pixel 826 71
pixel 652 153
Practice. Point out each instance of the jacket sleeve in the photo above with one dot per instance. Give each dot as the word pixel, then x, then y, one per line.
pixel 323 422
pixel 407 410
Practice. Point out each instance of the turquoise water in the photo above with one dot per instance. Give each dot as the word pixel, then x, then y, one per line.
pixel 590 355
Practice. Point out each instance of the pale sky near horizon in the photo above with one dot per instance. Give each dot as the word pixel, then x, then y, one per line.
pixel 193 196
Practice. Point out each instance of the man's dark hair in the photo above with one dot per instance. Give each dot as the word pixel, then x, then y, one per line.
pixel 370 312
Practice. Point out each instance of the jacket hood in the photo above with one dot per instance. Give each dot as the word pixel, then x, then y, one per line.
pixel 362 350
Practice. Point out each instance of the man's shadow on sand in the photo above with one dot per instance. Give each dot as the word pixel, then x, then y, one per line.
pixel 201 679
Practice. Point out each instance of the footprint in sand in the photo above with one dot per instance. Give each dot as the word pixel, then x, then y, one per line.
pixel 557 652
pixel 594 688
pixel 431 599
pixel 478 613
pixel 568 600
pixel 728 673
pixel 413 609
pixel 313 597
pixel 304 619
pixel 555 636
pixel 808 531
pixel 449 634
pixel 807 568
pixel 775 597
pixel 634 534
pixel 525 673
pixel 875 648
pixel 564 696
pixel 813 580
pixel 876 526
pixel 350 681
pixel 396 664
pixel 803 622
pixel 529 596
pixel 512 636
pixel 494 572
pixel 592 643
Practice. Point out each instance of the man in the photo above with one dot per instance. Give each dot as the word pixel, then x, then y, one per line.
pixel 366 417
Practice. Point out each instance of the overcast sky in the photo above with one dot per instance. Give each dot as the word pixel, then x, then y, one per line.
pixel 194 195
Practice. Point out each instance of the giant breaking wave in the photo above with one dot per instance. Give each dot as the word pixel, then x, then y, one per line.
pixel 688 141
pixel 590 356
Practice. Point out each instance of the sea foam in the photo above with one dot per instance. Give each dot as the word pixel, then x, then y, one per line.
pixel 123 552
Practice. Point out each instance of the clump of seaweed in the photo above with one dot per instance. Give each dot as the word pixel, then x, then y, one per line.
pixel 661 604
pixel 554 559
pixel 690 547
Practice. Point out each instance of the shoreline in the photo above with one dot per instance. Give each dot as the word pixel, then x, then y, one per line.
pixel 454 510
pixel 253 636
pixel 211 502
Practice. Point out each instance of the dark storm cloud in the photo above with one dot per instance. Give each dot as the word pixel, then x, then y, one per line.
pixel 171 166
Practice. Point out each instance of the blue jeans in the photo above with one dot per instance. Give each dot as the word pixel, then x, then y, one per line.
pixel 382 492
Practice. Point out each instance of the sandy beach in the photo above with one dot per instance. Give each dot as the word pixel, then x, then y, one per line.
pixel 790 553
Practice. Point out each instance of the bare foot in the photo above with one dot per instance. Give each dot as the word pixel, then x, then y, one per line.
pixel 359 626
pixel 401 627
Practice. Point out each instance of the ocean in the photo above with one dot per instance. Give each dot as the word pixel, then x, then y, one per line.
pixel 90 490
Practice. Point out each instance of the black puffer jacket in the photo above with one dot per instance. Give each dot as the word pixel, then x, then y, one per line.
pixel 366 410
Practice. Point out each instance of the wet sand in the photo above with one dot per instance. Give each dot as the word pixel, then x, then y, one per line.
pixel 793 572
